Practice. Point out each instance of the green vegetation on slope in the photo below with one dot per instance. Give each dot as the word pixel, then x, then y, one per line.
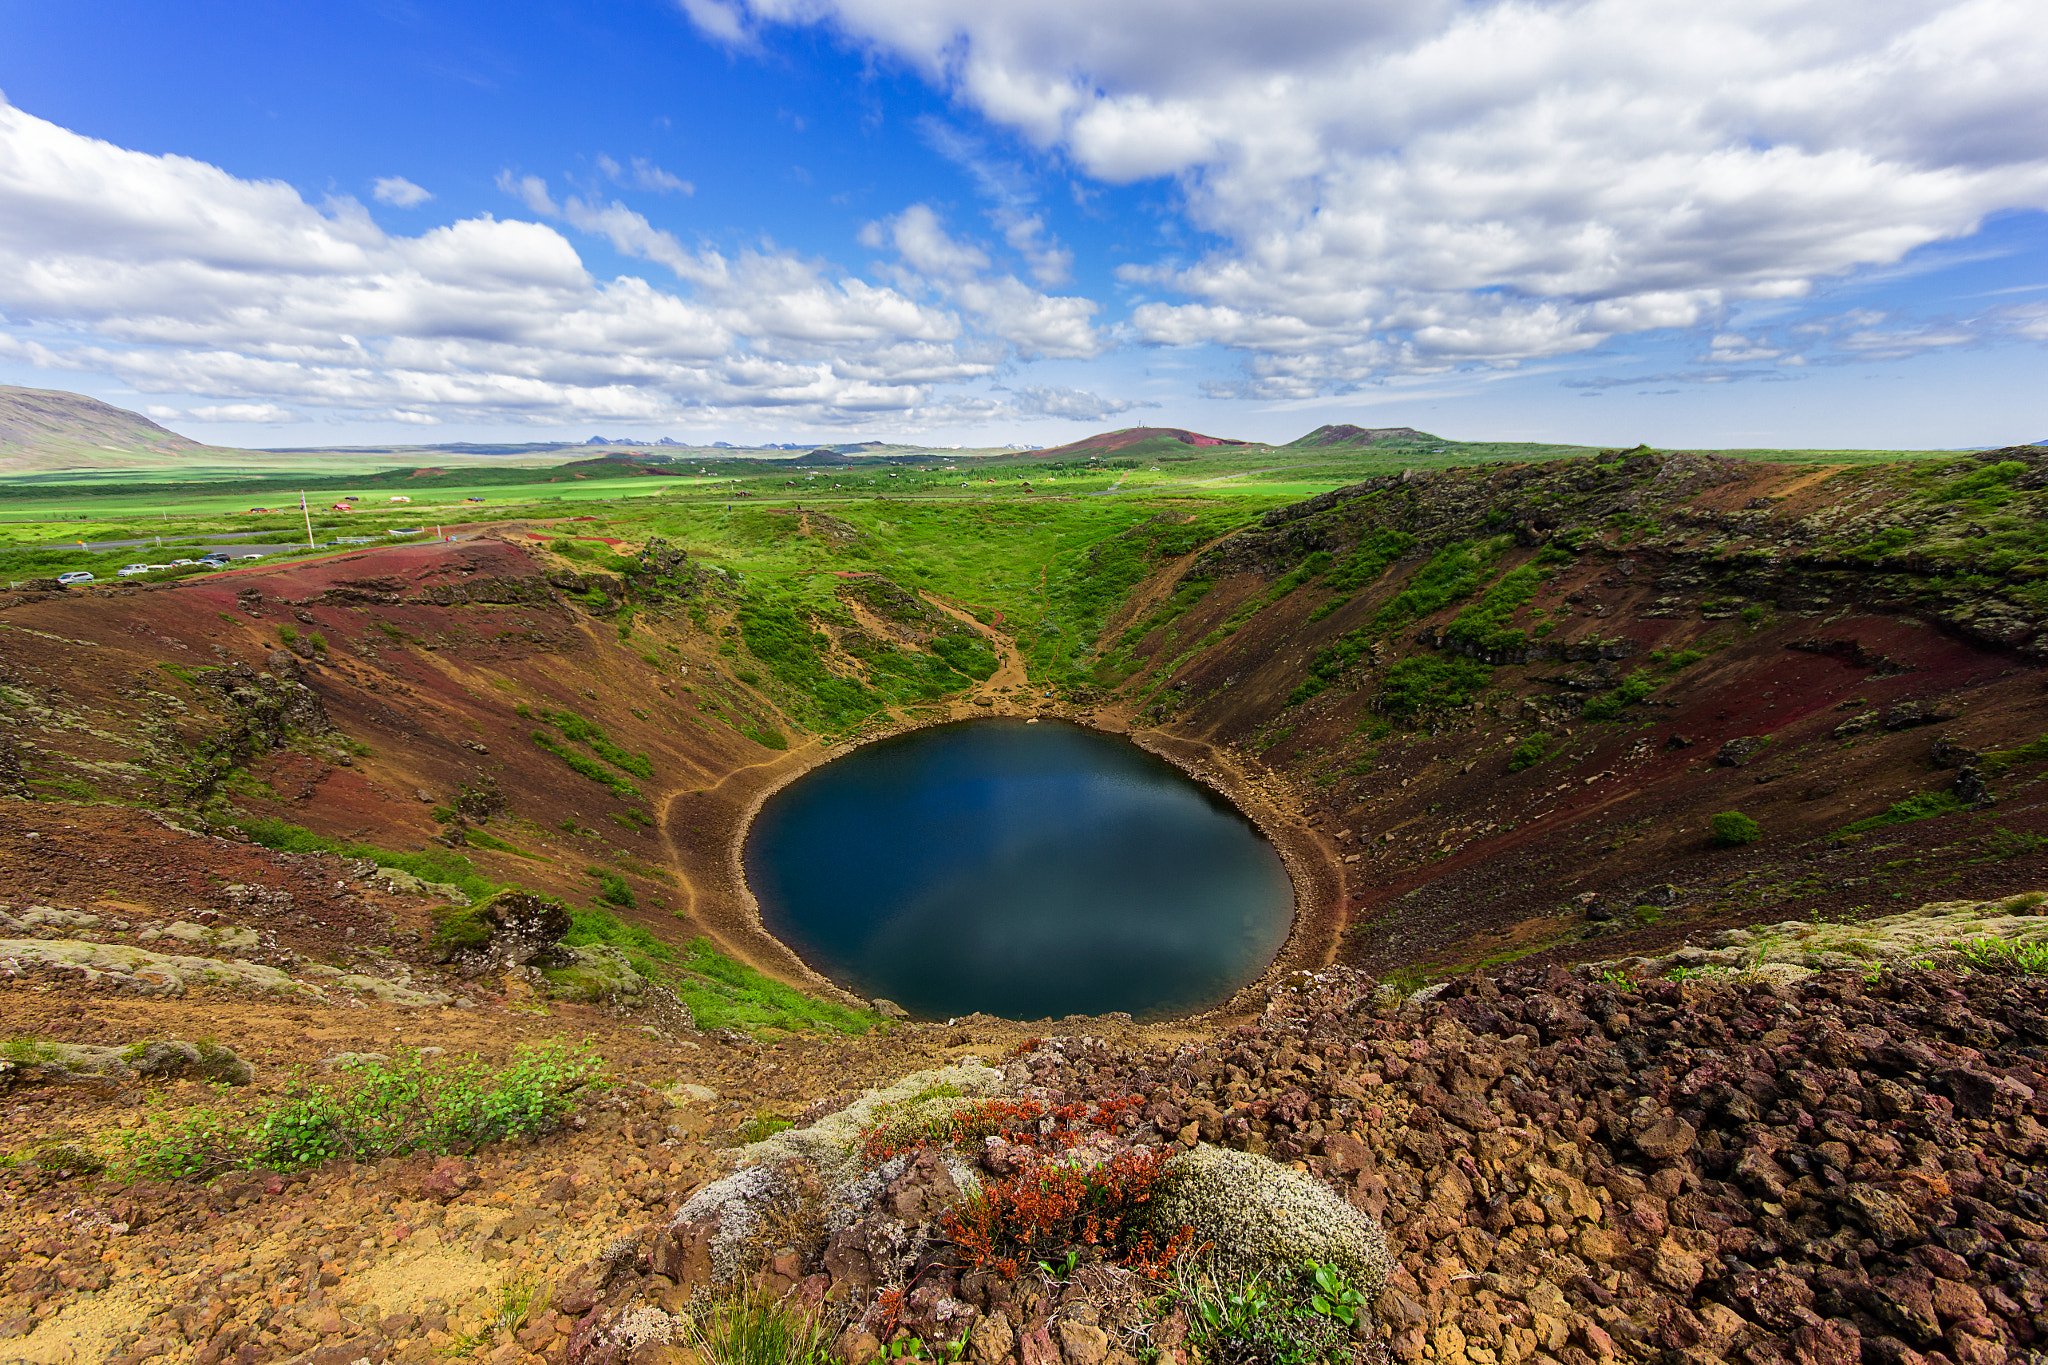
pixel 429 865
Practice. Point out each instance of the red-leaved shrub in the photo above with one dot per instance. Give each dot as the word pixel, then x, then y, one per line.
pixel 1050 1207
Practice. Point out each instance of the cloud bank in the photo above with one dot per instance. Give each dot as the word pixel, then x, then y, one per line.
pixel 177 277
pixel 1409 186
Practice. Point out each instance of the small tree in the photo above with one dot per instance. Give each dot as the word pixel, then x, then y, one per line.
pixel 1732 828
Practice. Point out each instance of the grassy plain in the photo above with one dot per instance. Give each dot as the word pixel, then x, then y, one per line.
pixel 1014 533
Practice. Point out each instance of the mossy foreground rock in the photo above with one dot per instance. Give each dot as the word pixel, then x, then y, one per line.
pixel 1265 1219
pixel 509 929
pixel 81 1063
pixel 594 975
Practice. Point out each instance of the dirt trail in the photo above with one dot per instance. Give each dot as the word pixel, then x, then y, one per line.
pixel 1156 587
pixel 1010 672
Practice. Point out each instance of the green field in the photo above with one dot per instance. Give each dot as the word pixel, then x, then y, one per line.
pixel 914 505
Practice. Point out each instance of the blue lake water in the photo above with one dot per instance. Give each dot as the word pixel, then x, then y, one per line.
pixel 1025 870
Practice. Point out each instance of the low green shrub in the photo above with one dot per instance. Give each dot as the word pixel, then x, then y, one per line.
pixel 1530 752
pixel 612 890
pixel 1609 705
pixel 408 1104
pixel 1426 683
pixel 485 839
pixel 1731 829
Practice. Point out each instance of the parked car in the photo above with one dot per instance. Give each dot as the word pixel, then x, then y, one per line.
pixel 75 576
pixel 130 570
pixel 248 556
pixel 214 561
pixel 156 568
pixel 183 563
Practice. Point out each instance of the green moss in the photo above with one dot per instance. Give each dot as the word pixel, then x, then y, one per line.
pixel 458 928
pixel 1731 828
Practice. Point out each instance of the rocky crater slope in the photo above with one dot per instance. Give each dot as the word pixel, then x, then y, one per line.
pixel 1512 698
pixel 376 986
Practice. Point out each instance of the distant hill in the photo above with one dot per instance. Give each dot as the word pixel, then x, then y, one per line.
pixel 1129 438
pixel 1345 435
pixel 36 420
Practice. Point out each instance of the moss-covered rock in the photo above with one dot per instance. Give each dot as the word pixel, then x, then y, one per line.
pixel 593 975
pixel 511 928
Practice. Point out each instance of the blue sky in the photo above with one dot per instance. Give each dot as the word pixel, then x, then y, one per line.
pixel 980 221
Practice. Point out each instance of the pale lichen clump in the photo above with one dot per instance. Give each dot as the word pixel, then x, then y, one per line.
pixel 1796 949
pixel 832 1145
pixel 769 1188
pixel 1263 1219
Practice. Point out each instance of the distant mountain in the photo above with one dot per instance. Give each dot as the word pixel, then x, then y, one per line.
pixel 1130 438
pixel 1345 435
pixel 36 420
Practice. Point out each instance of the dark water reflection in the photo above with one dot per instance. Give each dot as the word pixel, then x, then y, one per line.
pixel 1028 870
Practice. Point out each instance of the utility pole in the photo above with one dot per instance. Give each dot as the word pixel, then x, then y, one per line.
pixel 309 518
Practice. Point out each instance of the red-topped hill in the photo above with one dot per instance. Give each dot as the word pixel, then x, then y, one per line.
pixel 1104 443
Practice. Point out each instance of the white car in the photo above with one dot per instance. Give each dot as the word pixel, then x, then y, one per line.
pixel 130 570
pixel 75 576
pixel 248 556
pixel 156 568
pixel 183 563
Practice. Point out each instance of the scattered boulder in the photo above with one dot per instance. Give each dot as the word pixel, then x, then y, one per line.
pixel 509 929
pixel 1738 751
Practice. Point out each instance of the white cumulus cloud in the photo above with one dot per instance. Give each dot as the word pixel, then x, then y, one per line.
pixel 243 412
pixel 398 191
pixel 1413 185
pixel 173 276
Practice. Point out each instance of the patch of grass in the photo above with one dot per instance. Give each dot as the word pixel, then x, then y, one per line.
pixel 1609 705
pixel 1483 625
pixel 1925 806
pixel 2013 843
pixel 1426 683
pixel 23 1048
pixel 431 865
pixel 409 1104
pixel 761 1127
pixel 1452 574
pixel 766 738
pixel 645 953
pixel 485 839
pixel 2000 761
pixel 2006 956
pixel 757 1329
pixel 590 733
pixel 722 993
pixel 587 767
